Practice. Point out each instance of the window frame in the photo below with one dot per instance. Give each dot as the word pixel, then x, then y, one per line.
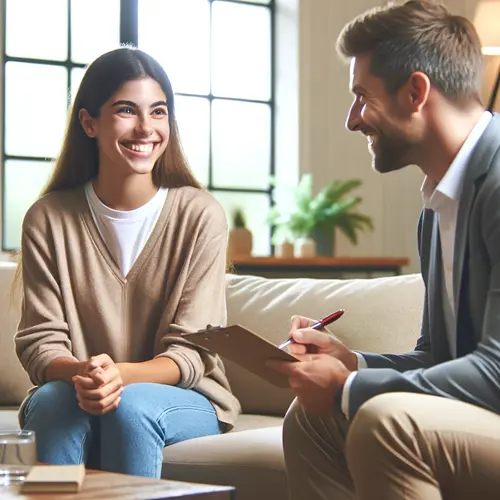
pixel 129 11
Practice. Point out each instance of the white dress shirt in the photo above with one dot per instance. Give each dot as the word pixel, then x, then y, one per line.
pixel 443 198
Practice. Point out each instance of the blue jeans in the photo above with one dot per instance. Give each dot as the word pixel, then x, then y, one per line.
pixel 129 439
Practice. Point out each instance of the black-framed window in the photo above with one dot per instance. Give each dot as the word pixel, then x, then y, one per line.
pixel 219 55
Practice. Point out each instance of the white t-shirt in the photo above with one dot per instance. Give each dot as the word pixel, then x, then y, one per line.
pixel 125 232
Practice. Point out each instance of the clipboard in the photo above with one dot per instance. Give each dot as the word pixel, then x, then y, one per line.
pixel 245 348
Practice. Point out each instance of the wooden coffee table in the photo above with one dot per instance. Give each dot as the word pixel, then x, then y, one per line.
pixel 100 485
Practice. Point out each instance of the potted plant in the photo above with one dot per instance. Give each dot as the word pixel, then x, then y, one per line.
pixel 240 238
pixel 315 217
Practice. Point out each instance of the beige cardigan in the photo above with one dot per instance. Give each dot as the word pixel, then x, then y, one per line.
pixel 77 303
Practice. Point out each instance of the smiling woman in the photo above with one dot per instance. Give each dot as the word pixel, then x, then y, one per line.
pixel 121 255
pixel 132 125
pixel 125 94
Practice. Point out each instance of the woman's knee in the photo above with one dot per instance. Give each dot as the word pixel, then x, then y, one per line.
pixel 148 402
pixel 53 395
pixel 133 404
pixel 51 398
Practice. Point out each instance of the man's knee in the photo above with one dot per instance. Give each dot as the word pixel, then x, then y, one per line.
pixel 301 427
pixel 381 418
pixel 297 423
pixel 292 417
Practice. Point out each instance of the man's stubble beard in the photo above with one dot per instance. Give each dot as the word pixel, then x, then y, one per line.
pixel 390 156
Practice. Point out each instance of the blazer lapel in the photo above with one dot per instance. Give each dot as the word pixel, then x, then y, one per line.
pixel 464 209
pixel 441 351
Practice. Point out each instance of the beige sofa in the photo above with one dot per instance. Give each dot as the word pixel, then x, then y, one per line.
pixel 383 315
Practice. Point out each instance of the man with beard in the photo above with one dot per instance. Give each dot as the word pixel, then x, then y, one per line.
pixel 426 424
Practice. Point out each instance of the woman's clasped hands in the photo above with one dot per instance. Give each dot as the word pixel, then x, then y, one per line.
pixel 98 385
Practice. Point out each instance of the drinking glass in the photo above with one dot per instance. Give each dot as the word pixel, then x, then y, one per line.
pixel 17 455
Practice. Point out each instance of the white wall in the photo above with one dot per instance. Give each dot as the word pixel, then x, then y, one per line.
pixel 329 151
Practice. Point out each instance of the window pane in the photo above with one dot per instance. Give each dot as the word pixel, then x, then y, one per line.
pixel 241 51
pixel 241 137
pixel 20 194
pixel 104 20
pixel 76 79
pixel 35 109
pixel 255 208
pixel 182 45
pixel 37 31
pixel 193 117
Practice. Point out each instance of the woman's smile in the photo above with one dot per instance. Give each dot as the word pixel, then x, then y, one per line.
pixel 139 149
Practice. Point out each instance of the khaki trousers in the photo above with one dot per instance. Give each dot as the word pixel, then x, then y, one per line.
pixel 399 446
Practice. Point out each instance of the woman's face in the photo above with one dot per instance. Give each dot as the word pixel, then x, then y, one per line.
pixel 132 130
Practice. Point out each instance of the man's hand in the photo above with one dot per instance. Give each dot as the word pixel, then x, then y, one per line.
pixel 315 378
pixel 307 340
pixel 99 386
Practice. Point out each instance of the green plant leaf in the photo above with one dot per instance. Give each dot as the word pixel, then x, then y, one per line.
pixel 273 215
pixel 348 230
pixel 328 209
pixel 338 209
pixel 361 220
pixel 333 193
pixel 336 190
pixel 301 224
pixel 303 193
pixel 340 188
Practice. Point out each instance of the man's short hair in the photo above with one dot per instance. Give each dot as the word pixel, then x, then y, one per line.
pixel 418 35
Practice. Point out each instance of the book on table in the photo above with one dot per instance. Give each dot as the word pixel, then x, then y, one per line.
pixel 54 479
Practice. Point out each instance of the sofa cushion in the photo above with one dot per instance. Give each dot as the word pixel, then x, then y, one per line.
pixel 8 418
pixel 382 315
pixel 14 383
pixel 250 460
pixel 248 422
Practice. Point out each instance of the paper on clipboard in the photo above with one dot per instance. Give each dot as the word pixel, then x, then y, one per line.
pixel 245 348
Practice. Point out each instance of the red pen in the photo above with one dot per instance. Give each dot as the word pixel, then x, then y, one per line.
pixel 318 325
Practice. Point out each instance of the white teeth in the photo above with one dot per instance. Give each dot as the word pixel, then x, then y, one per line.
pixel 142 148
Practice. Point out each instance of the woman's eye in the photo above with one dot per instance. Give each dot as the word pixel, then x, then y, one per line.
pixel 160 112
pixel 126 110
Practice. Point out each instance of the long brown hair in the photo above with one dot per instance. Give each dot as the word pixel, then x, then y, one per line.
pixel 418 35
pixel 78 162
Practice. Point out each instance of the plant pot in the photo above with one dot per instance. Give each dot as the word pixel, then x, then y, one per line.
pixel 240 242
pixel 305 247
pixel 284 250
pixel 324 236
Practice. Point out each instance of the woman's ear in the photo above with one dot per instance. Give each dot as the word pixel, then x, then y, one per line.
pixel 88 123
